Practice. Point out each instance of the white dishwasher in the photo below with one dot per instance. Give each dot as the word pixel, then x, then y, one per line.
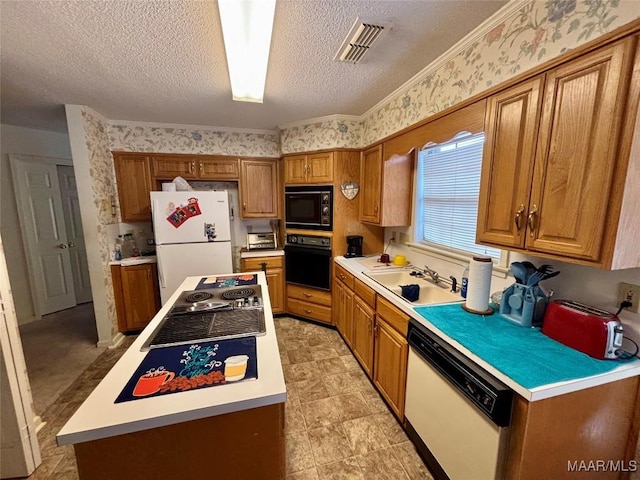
pixel 457 413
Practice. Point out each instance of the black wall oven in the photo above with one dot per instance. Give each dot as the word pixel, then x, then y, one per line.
pixel 309 207
pixel 308 261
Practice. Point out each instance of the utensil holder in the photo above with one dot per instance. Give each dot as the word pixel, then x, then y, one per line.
pixel 523 304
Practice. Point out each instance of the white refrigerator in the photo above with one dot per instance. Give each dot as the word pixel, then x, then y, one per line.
pixel 192 234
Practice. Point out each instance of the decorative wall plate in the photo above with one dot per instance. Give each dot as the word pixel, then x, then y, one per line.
pixel 350 190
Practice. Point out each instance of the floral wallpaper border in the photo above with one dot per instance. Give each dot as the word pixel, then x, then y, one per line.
pixel 196 140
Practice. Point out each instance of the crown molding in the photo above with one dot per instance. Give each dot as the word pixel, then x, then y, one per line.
pixel 327 118
pixel 480 31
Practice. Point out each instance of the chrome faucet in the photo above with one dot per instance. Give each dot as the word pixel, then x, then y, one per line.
pixel 432 273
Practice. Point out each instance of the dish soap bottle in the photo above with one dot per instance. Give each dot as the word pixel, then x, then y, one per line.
pixel 465 282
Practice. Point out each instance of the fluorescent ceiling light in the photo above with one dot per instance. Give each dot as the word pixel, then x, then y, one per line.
pixel 246 28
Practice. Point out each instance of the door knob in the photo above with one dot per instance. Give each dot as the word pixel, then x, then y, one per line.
pixel 72 244
pixel 63 246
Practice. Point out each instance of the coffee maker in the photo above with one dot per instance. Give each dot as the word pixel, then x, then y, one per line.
pixel 354 246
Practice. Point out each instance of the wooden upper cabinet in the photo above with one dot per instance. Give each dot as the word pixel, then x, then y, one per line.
pixel 370 185
pixel 170 167
pixel 568 203
pixel 218 168
pixel 133 178
pixel 320 168
pixel 386 188
pixel 576 154
pixel 195 167
pixel 313 168
pixel 295 169
pixel 259 188
pixel 511 131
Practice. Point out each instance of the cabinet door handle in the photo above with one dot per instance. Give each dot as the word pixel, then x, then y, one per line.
pixel 192 167
pixel 307 311
pixel 518 217
pixel 342 277
pixel 375 208
pixel 148 274
pixel 264 266
pixel 201 166
pixel 244 206
pixel 308 295
pixel 531 220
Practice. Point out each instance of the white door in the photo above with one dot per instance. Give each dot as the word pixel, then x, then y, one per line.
pixel 19 449
pixel 44 234
pixel 177 262
pixel 73 223
pixel 182 217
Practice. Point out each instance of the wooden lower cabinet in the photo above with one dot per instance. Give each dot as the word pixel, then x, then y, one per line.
pixel 274 271
pixel 363 324
pixel 595 424
pixel 137 295
pixel 239 445
pixel 309 303
pixel 390 365
pixel 343 310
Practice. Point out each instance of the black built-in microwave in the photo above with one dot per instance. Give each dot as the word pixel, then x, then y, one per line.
pixel 309 207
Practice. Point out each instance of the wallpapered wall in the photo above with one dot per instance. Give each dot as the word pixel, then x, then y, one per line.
pixel 103 187
pixel 196 140
pixel 517 40
pixel 527 36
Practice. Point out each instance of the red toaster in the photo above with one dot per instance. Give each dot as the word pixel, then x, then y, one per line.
pixel 590 330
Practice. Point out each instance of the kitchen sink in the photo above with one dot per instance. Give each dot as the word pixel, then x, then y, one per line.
pixel 430 293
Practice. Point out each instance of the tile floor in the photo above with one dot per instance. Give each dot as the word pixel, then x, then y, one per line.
pixel 337 426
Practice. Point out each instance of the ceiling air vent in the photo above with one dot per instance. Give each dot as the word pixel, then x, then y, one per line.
pixel 359 39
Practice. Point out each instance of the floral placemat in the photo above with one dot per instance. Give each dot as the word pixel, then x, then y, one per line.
pixel 189 367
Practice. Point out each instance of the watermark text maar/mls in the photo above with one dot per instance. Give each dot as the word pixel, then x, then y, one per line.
pixel 602 466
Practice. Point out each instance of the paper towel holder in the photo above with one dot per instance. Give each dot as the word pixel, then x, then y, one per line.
pixel 480 260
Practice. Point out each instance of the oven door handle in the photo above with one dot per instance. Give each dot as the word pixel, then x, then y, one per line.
pixel 312 250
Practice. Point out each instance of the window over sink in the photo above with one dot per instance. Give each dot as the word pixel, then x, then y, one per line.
pixel 448 186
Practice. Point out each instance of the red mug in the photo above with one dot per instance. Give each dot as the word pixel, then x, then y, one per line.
pixel 384 258
pixel 150 383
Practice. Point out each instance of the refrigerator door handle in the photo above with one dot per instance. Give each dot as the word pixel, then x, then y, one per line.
pixel 160 272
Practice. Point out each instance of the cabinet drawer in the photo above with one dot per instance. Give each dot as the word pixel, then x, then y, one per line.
pixel 393 315
pixel 255 263
pixel 309 294
pixel 309 310
pixel 344 276
pixel 366 293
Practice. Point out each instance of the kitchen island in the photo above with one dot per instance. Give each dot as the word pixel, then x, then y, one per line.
pixel 230 431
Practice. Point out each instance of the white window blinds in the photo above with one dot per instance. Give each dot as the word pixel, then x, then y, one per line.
pixel 448 189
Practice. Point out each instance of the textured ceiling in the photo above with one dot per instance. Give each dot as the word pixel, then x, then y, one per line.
pixel 163 61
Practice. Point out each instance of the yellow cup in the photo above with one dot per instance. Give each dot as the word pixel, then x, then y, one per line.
pixel 235 367
pixel 400 260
